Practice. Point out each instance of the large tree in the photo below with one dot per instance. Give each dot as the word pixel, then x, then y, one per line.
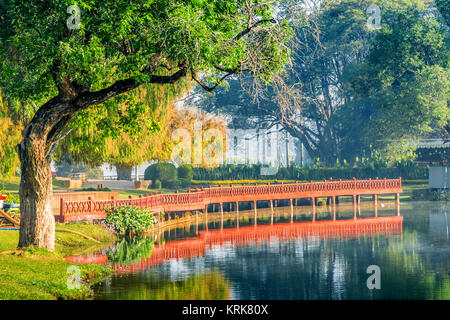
pixel 402 89
pixel 66 65
pixel 342 69
pixel 125 135
pixel 328 38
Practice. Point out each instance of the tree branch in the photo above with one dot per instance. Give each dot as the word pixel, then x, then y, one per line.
pixel 92 98
pixel 204 85
pixel 253 27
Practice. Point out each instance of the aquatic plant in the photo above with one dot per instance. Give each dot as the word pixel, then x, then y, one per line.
pixel 128 220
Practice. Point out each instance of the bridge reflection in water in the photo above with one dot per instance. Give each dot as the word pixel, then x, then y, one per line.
pixel 197 246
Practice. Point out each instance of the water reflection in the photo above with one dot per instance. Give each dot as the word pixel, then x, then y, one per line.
pixel 299 260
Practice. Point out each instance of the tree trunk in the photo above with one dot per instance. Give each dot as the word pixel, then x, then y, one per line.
pixel 37 223
pixel 123 172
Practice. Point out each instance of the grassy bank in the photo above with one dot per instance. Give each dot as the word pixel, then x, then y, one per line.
pixel 12 184
pixel 36 274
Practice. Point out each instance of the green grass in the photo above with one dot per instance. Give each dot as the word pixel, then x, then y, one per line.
pixel 13 183
pixel 10 184
pixel 71 244
pixel 43 276
pixel 38 274
pixel 135 192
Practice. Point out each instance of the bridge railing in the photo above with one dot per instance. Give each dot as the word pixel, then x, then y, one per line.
pixel 351 186
pixel 95 209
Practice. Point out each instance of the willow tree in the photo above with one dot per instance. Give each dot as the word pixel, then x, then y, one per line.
pixel 98 135
pixel 101 135
pixel 9 137
pixel 65 63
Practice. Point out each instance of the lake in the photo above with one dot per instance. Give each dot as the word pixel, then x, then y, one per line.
pixel 276 258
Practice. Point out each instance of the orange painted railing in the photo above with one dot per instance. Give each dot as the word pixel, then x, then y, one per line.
pixel 197 199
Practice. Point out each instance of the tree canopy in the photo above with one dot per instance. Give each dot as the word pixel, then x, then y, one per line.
pixel 355 85
pixel 62 57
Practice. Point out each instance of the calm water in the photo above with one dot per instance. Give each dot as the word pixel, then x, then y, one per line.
pixel 265 262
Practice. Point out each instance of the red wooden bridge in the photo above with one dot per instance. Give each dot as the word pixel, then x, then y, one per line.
pixel 199 199
pixel 197 246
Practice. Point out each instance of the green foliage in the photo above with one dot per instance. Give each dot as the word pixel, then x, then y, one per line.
pixel 231 172
pixel 38 49
pixel 171 184
pixel 44 278
pixel 399 153
pixel 11 197
pixel 444 8
pixel 128 220
pixel 162 171
pixel 67 166
pixel 431 194
pixel 403 87
pixel 185 172
pixel 157 184
pixel 184 183
pixel 185 175
pixel 9 138
pixel 129 251
pixel 433 154
pixel 359 87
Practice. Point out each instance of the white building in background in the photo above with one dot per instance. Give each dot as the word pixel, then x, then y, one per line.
pixel 439 178
pixel 268 147
pixel 272 147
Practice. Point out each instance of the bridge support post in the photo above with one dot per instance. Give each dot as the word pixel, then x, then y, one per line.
pixel 397 203
pixel 354 207
pixel 206 216
pixel 271 211
pixel 314 208
pixel 334 207
pixel 221 215
pixel 196 223
pixel 256 212
pixel 292 210
pixel 358 198
pixel 375 204
pixel 237 214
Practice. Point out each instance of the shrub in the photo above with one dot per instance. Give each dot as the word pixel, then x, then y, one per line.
pixel 240 172
pixel 171 184
pixel 185 172
pixel 129 220
pixel 162 171
pixel 184 183
pixel 157 184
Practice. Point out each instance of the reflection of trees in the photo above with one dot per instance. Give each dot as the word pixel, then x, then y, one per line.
pixel 414 265
pixel 406 271
pixel 149 286
pixel 129 251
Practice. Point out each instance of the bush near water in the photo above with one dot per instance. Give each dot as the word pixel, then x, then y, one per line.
pixel 128 220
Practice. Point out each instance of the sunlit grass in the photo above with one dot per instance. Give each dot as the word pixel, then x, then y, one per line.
pixel 38 274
